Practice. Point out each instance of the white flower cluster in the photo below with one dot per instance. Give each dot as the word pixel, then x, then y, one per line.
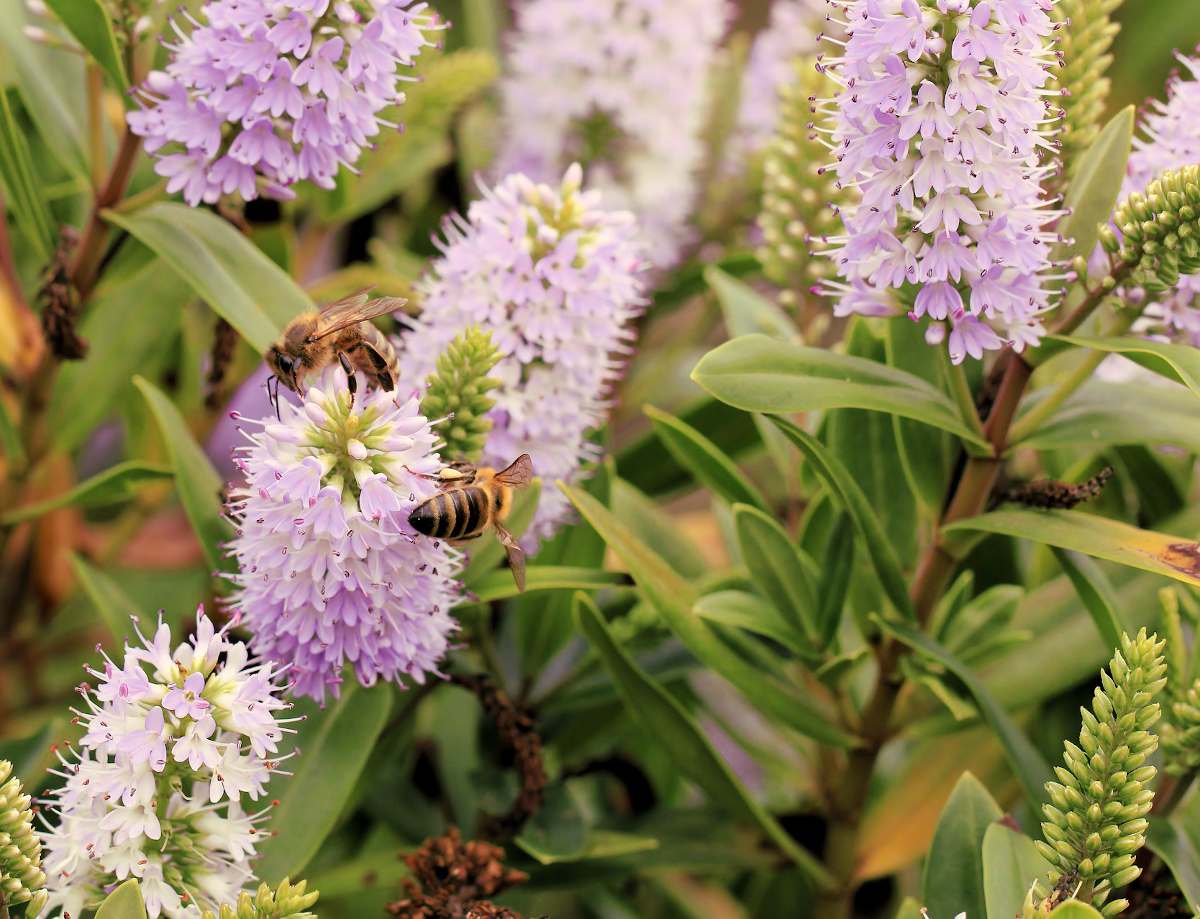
pixel 620 86
pixel 155 791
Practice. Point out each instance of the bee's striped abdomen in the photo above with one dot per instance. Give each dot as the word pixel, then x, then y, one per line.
pixel 460 513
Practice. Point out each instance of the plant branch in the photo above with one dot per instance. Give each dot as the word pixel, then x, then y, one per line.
pixel 85 271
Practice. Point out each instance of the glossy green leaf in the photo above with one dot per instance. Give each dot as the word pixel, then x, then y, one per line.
pixel 91 25
pixel 1170 840
pixel 926 454
pixel 673 597
pixel 909 909
pixel 1010 866
pixel 674 729
pixel 1102 414
pixel 1026 762
pixel 335 743
pixel 1177 362
pixel 133 317
pixel 499 585
pixel 744 610
pixel 703 459
pixel 745 310
pixel 760 374
pixel 221 265
pixel 50 82
pixel 488 551
pixel 112 486
pixel 23 194
pixel 1098 180
pixel 1096 593
pixel 778 570
pixel 953 879
pixel 1171 556
pixel 835 579
pixel 843 486
pixel 111 602
pixel 123 903
pixel 196 481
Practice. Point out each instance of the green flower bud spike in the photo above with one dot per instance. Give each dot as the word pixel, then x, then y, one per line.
pixel 457 393
pixel 1084 39
pixel 798 198
pixel 21 877
pixel 288 901
pixel 1159 230
pixel 1096 819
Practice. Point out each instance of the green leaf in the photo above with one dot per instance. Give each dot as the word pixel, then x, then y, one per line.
pixel 674 597
pixel 1026 762
pixel 499 585
pixel 1180 363
pixel 32 755
pixel 674 730
pixel 488 551
pixel 50 82
pixel 1093 193
pixel 748 611
pixel 778 570
pixel 1095 592
pixel 91 25
pixel 1171 556
pixel 926 454
pixel 133 317
pixel 22 191
pixel 642 463
pixel 953 879
pixel 558 832
pixel 1010 866
pixel 746 311
pixel 835 579
pixel 112 486
pixel 1102 414
pixel 123 903
pixel 111 602
pixel 760 374
pixel 196 481
pixel 221 265
pixel 909 909
pixel 703 459
pixel 656 528
pixel 335 743
pixel 843 486
pixel 1170 841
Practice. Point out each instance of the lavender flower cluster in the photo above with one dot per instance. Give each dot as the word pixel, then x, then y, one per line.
pixel 556 279
pixel 174 739
pixel 329 570
pixel 939 126
pixel 260 95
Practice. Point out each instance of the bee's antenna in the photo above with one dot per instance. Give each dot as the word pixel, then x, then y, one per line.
pixel 274 395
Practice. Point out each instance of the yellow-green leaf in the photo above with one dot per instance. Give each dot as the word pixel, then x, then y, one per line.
pixel 1093 193
pixel 91 25
pixel 123 903
pixel 112 486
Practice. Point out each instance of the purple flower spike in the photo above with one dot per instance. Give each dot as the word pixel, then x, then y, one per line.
pixel 940 127
pixel 330 572
pixel 555 279
pixel 260 95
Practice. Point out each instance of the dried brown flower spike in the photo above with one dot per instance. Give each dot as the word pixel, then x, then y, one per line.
pixel 452 879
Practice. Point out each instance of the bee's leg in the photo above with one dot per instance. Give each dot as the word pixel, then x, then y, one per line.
pixel 351 379
pixel 378 366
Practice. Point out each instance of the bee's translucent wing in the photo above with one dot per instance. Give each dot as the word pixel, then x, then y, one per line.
pixel 518 474
pixel 355 309
pixel 516 555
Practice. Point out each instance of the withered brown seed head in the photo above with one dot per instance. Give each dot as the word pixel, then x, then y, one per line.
pixel 452 879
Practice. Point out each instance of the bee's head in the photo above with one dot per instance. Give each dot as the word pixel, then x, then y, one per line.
pixel 283 364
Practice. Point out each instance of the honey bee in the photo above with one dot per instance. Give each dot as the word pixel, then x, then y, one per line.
pixel 472 498
pixel 339 331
